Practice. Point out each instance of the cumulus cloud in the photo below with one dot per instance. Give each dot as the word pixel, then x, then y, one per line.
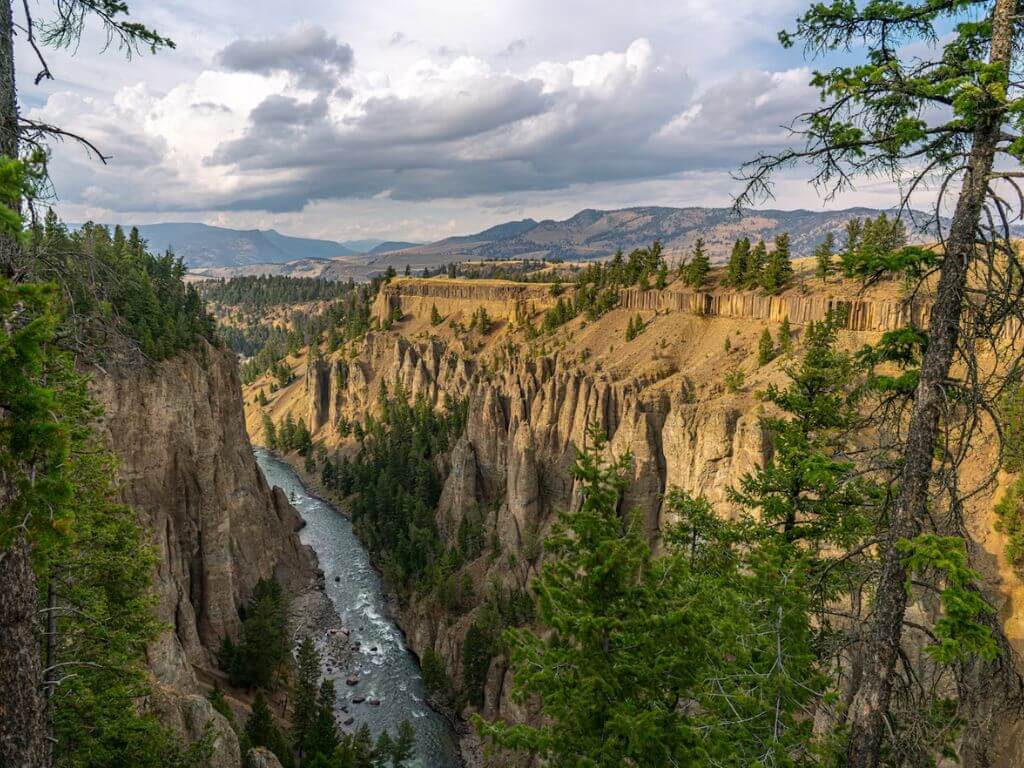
pixel 272 131
pixel 315 59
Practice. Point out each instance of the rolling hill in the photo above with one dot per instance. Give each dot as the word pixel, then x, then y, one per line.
pixel 202 245
pixel 594 234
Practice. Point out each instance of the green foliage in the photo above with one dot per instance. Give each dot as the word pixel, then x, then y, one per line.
pixel 480 321
pixel 1011 522
pixel 960 632
pixel 736 268
pixel 785 336
pixel 734 380
pixel 435 674
pixel 824 257
pixel 696 270
pixel 322 736
pixel 628 637
pixel 765 348
pixel 398 483
pixel 258 293
pixel 778 270
pixel 293 436
pixel 59 491
pixel 257 659
pixel 269 432
pixel 477 650
pixel 345 319
pixel 435 316
pixel 634 327
pixel 114 285
pixel 262 731
pixel 1011 417
pixel 220 705
pixel 304 695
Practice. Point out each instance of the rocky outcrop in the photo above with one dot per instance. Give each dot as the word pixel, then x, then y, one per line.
pixel 859 314
pixel 186 467
pixel 261 757
pixel 194 719
pixel 518 300
pixel 501 299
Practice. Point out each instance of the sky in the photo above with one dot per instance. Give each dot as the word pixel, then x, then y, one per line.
pixel 415 120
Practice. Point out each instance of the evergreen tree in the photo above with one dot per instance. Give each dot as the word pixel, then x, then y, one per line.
pixel 785 336
pixel 403 749
pixel 382 751
pixel 824 255
pixel 628 636
pixel 661 279
pixel 323 736
pixel 738 266
pixel 778 270
pixel 756 262
pixel 304 693
pixel 765 348
pixel 269 432
pixel 698 267
pixel 261 731
pixel 435 316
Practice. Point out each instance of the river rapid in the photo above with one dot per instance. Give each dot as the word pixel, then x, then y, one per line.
pixel 386 669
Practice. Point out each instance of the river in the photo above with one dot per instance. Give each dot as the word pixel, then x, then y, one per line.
pixel 386 669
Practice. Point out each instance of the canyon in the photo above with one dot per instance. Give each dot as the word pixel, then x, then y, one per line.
pixel 662 397
pixel 186 467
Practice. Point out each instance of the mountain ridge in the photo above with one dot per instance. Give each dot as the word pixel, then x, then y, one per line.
pixel 205 245
pixel 593 233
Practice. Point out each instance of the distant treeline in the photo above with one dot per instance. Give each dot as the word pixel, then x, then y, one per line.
pixel 118 295
pixel 256 292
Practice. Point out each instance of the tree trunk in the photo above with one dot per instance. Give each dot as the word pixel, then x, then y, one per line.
pixel 870 705
pixel 9 249
pixel 22 730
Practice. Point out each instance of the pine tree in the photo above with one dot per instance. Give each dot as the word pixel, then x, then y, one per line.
pixel 778 271
pixel 785 337
pixel 756 262
pixel 736 270
pixel 269 432
pixel 824 255
pixel 661 279
pixel 435 316
pixel 404 747
pixel 323 736
pixel 262 731
pixel 382 751
pixel 304 693
pixel 765 348
pixel 698 267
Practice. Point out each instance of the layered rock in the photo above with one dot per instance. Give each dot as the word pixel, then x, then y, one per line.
pixel 517 300
pixel 186 467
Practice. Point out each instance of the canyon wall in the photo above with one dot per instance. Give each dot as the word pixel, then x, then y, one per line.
pixel 513 463
pixel 186 467
pixel 801 304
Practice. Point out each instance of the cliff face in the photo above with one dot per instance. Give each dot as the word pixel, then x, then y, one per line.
pixel 662 396
pixel 801 305
pixel 515 457
pixel 187 468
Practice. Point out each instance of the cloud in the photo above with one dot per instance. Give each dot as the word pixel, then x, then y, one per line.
pixel 271 130
pixel 315 60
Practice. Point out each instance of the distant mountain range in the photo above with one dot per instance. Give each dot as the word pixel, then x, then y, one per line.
pixel 590 234
pixel 201 245
pixel 593 234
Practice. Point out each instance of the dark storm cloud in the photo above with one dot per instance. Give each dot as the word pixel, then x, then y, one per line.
pixel 453 130
pixel 502 134
pixel 315 59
